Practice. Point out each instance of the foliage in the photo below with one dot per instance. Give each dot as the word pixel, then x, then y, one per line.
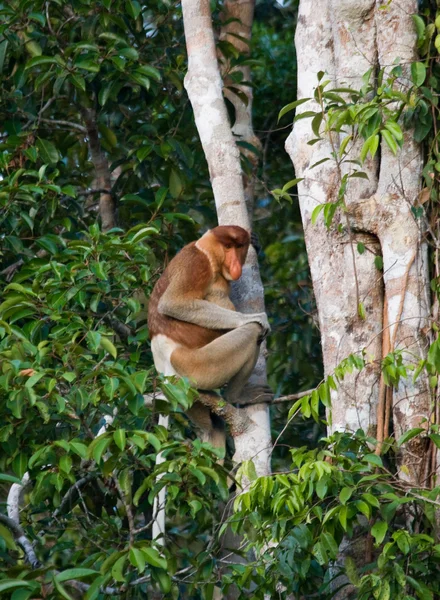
pixel 91 96
pixel 338 491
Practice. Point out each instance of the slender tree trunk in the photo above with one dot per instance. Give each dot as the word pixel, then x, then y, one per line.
pixel 107 208
pixel 345 38
pixel 237 20
pixel 204 85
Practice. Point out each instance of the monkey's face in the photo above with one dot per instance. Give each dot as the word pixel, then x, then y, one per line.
pixel 234 258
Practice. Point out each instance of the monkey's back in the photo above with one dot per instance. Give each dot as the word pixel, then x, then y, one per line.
pixel 184 333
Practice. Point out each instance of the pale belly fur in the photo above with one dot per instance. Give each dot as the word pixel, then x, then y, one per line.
pixel 162 347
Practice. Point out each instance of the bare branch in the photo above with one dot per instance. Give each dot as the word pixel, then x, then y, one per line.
pixel 292 397
pixel 21 539
pixel 15 496
pixel 67 124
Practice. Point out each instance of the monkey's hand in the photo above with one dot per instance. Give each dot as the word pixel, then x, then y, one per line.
pixel 261 319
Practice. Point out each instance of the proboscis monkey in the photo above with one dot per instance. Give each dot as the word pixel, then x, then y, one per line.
pixel 197 333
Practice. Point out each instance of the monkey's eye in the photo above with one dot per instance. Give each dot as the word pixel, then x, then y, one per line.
pixel 228 246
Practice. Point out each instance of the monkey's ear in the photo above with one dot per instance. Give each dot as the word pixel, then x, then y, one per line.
pixel 255 241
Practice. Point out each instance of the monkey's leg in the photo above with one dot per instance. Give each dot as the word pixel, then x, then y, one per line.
pixel 217 363
pixel 242 391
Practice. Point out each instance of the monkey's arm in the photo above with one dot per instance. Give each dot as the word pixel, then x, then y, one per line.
pixel 206 314
pixel 190 278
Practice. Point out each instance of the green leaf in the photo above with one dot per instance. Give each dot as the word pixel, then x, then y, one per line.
pixel 48 152
pixel 137 559
pixel 41 60
pixel 145 485
pixel 88 65
pixel 108 346
pixel 291 106
pixel 65 463
pixel 435 437
pixel 119 437
pixel 345 494
pixel 378 531
pixel 409 435
pixel 175 184
pixel 374 459
pixel 133 8
pixel 141 80
pixel 20 464
pixel 143 233
pixel 420 27
pixel 98 447
pixel 118 569
pixel 394 128
pixel 364 508
pixel 150 72
pixel 343 517
pixel 9 478
pixel 76 573
pixel 316 211
pixel 372 500
pixel 391 142
pixel 33 379
pixel 60 589
pixel 423 592
pixel 9 584
pixel 153 558
pixel 418 73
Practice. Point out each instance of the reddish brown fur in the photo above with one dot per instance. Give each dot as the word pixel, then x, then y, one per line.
pixel 232 234
pixel 192 267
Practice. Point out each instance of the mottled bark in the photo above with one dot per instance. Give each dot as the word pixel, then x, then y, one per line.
pixel 107 207
pixel 345 38
pixel 237 20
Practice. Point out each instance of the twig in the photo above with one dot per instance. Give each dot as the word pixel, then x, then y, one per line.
pixel 67 124
pixel 128 510
pixel 21 539
pixel 90 192
pixel 291 397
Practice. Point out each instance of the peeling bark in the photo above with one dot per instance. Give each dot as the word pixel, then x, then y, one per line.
pixel 345 38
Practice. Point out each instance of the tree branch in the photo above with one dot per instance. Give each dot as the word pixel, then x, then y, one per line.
pixel 21 539
pixel 69 497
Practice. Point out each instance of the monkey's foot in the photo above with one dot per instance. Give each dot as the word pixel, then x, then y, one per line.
pixel 253 394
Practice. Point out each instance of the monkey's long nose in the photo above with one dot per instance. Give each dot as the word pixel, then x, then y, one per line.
pixel 235 270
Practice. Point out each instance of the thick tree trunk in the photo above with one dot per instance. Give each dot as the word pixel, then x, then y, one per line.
pixel 345 38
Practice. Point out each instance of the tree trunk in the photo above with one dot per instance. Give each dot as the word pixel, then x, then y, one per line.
pixel 204 86
pixel 345 38
pixel 102 181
